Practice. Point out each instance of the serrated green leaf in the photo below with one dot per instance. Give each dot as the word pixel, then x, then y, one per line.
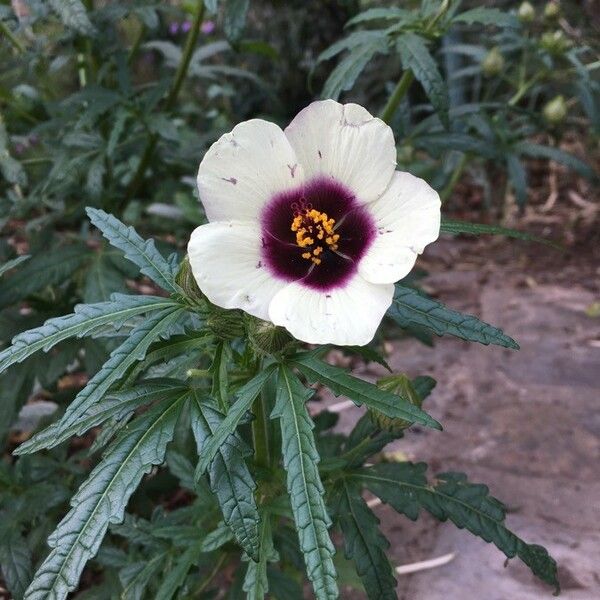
pixel 363 542
pixel 517 176
pixel 50 267
pixel 229 476
pixel 487 16
pixel 361 392
pixel 85 319
pixel 346 72
pixel 245 397
pixel 351 42
pixel 101 500
pixel 458 227
pixel 375 14
pixel 176 576
pixel 469 506
pixel 558 155
pixel 130 351
pixel 72 13
pixel 11 264
pixel 217 538
pixel 300 460
pixel 411 307
pixel 234 22
pixel 141 252
pixel 178 345
pixel 256 583
pixel 15 562
pixel 416 57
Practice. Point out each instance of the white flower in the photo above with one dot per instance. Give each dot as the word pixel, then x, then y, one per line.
pixel 310 227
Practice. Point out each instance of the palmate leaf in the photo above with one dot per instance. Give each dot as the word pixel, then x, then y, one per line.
pixel 469 506
pixel 85 319
pixel 363 542
pixel 375 14
pixel 130 351
pixel 256 583
pixel 458 227
pixel 101 500
pixel 245 396
pixel 176 576
pixel 411 307
pixel 141 252
pixel 47 268
pixel 361 392
pixel 300 460
pixel 416 56
pixel 229 476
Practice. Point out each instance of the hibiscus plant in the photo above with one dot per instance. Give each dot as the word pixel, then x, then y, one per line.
pixel 309 232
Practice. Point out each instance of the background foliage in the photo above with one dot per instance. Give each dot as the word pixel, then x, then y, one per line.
pixel 99 101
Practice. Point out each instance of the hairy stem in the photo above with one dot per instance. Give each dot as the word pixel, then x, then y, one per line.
pixel 190 44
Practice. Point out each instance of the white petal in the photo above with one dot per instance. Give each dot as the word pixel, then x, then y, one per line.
pixel 346 316
pixel 347 143
pixel 244 169
pixel 226 263
pixel 407 218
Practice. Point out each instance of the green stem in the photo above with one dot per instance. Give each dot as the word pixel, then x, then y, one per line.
pixel 4 28
pixel 396 97
pixel 408 77
pixel 190 44
pixel 458 171
pixel 260 431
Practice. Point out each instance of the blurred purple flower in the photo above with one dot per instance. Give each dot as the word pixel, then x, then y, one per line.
pixel 174 28
pixel 186 26
pixel 207 27
pixel 19 148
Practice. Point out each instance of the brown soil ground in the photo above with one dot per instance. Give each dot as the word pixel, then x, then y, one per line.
pixel 526 423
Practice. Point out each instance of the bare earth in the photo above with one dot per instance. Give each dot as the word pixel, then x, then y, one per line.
pixel 526 423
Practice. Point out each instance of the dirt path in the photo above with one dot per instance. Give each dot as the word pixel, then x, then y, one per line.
pixel 526 423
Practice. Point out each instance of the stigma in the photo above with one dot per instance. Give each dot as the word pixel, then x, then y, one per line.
pixel 314 233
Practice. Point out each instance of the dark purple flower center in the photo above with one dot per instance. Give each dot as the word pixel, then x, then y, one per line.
pixel 316 234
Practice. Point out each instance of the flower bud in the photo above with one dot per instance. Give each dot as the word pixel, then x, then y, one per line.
pixel 225 324
pixel 267 338
pixel 555 111
pixel 554 42
pixel 493 62
pixel 401 385
pixel 186 281
pixel 552 10
pixel 526 12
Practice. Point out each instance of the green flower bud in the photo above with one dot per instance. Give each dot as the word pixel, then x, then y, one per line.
pixel 555 42
pixel 267 338
pixel 225 324
pixel 555 111
pixel 186 281
pixel 401 385
pixel 552 10
pixel 526 12
pixel 493 62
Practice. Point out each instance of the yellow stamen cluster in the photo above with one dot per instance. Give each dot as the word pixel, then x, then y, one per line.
pixel 312 225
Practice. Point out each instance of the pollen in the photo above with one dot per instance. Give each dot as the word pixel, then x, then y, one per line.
pixel 311 227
